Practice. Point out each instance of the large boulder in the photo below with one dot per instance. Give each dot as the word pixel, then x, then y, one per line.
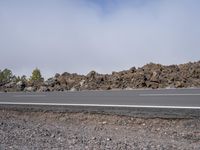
pixel 91 75
pixel 29 89
pixel 139 80
pixel 20 85
pixel 155 77
pixel 43 89
pixel 10 84
pixel 51 82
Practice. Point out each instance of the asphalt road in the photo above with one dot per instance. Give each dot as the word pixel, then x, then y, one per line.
pixel 165 98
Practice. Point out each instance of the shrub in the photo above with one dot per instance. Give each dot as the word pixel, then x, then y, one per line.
pixel 36 76
pixel 5 76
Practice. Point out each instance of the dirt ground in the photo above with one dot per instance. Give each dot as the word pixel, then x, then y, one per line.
pixel 86 131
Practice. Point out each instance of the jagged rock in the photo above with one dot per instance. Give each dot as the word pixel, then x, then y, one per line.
pixel 73 89
pixel 57 75
pixel 82 82
pixel 132 69
pixel 155 77
pixel 58 88
pixel 30 89
pixel 10 85
pixel 50 82
pixel 43 89
pixel 66 74
pixel 152 85
pixel 91 74
pixel 139 80
pixel 20 85
pixel 149 76
pixel 128 88
pixel 179 84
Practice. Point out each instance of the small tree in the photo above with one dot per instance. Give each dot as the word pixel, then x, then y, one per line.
pixel 5 76
pixel 36 75
pixel 16 78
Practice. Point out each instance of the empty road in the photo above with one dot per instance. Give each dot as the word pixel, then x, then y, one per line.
pixel 164 98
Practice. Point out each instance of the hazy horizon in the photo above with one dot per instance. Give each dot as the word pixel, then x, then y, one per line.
pixel 101 35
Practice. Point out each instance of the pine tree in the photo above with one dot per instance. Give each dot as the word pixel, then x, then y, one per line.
pixel 5 76
pixel 36 75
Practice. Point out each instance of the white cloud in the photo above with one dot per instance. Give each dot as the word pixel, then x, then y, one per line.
pixel 78 36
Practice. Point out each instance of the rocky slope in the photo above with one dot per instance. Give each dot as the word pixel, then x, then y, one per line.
pixel 149 76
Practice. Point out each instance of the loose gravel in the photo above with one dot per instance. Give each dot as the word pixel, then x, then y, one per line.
pixel 85 131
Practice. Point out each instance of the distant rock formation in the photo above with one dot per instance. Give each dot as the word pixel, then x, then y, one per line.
pixel 149 76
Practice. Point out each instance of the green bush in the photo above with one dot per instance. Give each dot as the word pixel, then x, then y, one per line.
pixel 5 76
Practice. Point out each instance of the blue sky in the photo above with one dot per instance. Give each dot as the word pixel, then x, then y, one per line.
pixel 102 35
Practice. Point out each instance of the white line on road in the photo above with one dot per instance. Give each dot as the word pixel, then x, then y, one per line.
pixel 29 95
pixel 184 94
pixel 100 105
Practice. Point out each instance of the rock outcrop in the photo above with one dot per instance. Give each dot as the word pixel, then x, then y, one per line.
pixel 149 76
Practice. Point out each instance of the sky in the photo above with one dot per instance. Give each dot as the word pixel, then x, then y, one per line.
pixel 59 36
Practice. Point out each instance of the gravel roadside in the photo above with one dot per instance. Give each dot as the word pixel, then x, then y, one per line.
pixel 80 131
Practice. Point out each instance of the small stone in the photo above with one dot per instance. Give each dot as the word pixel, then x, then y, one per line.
pixel 108 139
pixel 104 122
pixel 73 89
pixel 53 136
pixel 59 138
pixel 158 129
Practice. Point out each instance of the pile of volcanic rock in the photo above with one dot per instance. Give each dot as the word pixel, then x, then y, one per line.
pixel 149 76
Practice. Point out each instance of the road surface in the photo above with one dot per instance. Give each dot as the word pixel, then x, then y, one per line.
pixel 164 98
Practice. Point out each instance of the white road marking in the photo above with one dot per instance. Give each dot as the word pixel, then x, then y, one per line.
pixel 29 95
pixel 101 105
pixel 183 94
